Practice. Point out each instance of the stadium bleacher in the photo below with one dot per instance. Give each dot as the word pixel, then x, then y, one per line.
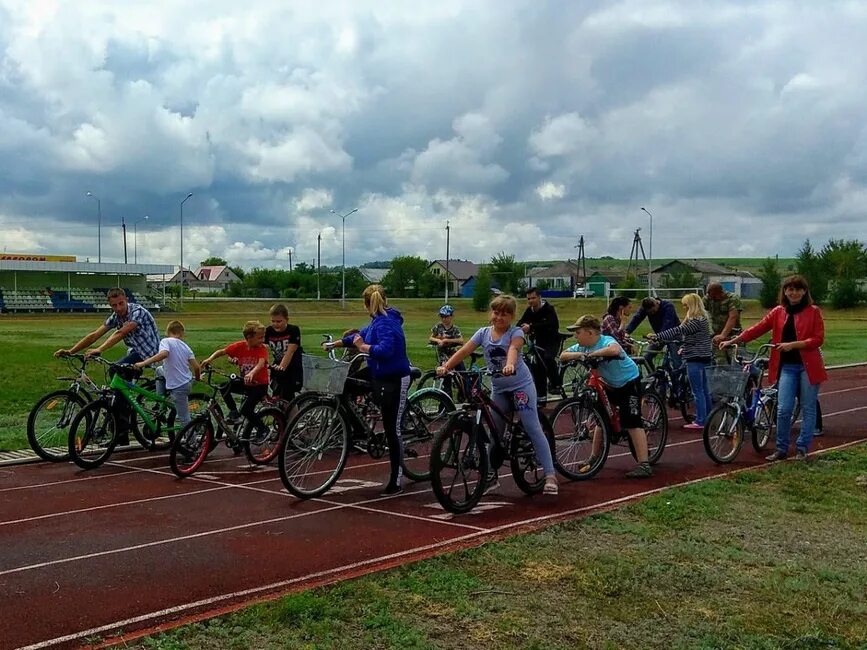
pixel 64 300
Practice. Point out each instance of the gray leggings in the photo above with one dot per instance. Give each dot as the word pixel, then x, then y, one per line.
pixel 524 402
pixel 181 397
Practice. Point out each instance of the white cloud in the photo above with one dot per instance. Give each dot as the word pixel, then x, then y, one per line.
pixel 548 191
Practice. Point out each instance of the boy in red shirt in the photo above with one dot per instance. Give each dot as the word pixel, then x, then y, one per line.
pixel 251 357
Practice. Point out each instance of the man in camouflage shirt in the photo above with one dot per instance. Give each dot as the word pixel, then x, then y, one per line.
pixel 725 310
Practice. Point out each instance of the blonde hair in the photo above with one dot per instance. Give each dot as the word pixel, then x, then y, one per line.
pixel 374 299
pixel 279 310
pixel 694 306
pixel 504 304
pixel 251 328
pixel 175 327
pixel 588 322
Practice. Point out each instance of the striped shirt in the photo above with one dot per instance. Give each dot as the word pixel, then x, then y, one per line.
pixel 144 339
pixel 697 343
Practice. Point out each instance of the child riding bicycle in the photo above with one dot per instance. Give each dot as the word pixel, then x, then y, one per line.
pixel 622 385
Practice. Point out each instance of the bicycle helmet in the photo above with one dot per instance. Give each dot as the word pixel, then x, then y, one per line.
pixel 447 310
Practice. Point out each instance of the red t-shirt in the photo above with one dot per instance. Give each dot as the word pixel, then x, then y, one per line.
pixel 248 358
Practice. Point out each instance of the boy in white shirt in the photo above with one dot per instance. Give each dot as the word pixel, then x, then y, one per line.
pixel 179 367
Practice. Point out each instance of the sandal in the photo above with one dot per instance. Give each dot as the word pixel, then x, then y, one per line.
pixel 551 488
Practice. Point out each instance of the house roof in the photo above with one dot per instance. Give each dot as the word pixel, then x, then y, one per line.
pixel 374 275
pixel 704 267
pixel 459 269
pixel 210 272
pixel 561 270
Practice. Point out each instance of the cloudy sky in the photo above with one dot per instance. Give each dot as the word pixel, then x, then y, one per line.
pixel 739 125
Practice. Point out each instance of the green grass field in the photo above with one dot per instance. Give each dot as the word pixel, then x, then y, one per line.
pixel 767 560
pixel 28 342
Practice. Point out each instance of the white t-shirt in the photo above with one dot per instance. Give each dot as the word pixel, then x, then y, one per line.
pixel 176 366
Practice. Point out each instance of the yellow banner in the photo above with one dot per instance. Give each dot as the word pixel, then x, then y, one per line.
pixel 29 257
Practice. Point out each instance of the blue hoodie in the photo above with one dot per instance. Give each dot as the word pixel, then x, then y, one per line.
pixel 387 344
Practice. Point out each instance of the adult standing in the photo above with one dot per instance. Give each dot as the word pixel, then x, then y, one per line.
pixel 614 320
pixel 540 322
pixel 384 341
pixel 798 331
pixel 662 316
pixel 724 309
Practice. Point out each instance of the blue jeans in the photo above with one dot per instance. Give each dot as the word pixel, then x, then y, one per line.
pixel 181 398
pixel 795 383
pixel 698 384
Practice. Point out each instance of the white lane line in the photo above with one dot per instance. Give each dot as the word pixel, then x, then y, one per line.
pixel 404 515
pixel 109 505
pixel 283 584
pixel 65 481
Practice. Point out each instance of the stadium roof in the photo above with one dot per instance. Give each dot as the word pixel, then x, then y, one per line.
pixel 87 267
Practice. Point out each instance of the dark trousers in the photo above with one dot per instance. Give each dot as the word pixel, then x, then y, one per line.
pixel 390 395
pixel 253 394
pixel 284 386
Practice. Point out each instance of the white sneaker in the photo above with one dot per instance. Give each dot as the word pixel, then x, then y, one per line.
pixel 493 484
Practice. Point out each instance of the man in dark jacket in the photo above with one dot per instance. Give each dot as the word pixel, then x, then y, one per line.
pixel 661 315
pixel 541 324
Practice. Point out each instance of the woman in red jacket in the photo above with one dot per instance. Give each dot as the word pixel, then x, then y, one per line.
pixel 798 331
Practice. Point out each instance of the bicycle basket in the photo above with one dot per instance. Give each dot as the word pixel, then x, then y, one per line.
pixel 726 381
pixel 324 375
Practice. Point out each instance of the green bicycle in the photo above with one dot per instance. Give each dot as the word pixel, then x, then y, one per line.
pixel 94 431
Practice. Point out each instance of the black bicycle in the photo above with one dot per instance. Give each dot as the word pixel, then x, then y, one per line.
pixel 671 384
pixel 471 446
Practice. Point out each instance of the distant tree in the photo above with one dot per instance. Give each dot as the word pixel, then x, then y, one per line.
pixel 846 261
pixel 809 263
pixel 543 284
pixel 629 282
pixel 237 270
pixel 681 280
pixel 771 279
pixel 482 290
pixel 380 264
pixel 507 272
pixel 214 261
pixel 406 277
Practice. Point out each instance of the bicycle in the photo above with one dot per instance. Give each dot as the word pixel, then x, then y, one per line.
pixel 744 404
pixel 95 428
pixel 456 389
pixel 260 440
pixel 49 419
pixel 590 414
pixel 671 384
pixel 341 412
pixel 568 376
pixel 470 447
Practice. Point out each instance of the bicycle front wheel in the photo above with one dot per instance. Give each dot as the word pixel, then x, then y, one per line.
pixel 92 435
pixel 576 424
pixel 723 434
pixel 48 424
pixel 764 427
pixel 425 414
pixel 526 469
pixel 265 435
pixel 654 419
pixel 191 446
pixel 459 467
pixel 314 449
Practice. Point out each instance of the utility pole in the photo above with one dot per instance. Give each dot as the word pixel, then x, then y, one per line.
pixel 290 260
pixel 123 225
pixel 582 261
pixel 637 247
pixel 318 264
pixel 448 279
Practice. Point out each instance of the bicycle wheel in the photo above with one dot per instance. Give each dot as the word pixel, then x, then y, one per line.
pixel 575 424
pixel 723 434
pixel 265 436
pixel 426 412
pixel 687 407
pixel 764 427
pixel 314 449
pixel 654 418
pixel 48 424
pixel 459 466
pixel 526 469
pixel 92 435
pixel 191 446
pixel 572 378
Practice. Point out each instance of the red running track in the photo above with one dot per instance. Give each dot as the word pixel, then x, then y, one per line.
pixel 130 548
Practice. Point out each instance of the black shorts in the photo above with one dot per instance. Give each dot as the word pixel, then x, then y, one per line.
pixel 627 400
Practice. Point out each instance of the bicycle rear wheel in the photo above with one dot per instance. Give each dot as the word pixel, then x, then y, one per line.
pixel 575 423
pixel 191 446
pixel 92 435
pixel 314 449
pixel 764 427
pixel 265 435
pixel 526 469
pixel 654 418
pixel 723 434
pixel 459 466
pixel 426 412
pixel 48 424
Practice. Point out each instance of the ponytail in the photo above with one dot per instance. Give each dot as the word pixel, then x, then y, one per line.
pixel 375 300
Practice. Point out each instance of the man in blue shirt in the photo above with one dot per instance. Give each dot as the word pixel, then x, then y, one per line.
pixel 661 315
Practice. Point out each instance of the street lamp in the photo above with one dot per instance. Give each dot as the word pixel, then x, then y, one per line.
pixel 98 224
pixel 650 261
pixel 135 238
pixel 188 197
pixel 343 262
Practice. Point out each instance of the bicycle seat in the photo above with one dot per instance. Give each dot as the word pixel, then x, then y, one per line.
pixel 564 336
pixel 414 373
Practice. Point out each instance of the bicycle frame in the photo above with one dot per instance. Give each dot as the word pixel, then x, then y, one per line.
pixel 595 383
pixel 129 389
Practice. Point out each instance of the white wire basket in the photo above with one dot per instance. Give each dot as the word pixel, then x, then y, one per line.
pixel 324 375
pixel 726 382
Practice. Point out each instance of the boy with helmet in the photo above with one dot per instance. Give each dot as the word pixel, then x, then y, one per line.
pixel 445 334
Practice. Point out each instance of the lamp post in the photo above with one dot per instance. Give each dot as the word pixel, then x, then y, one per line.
pixel 343 262
pixel 98 224
pixel 187 198
pixel 650 259
pixel 123 226
pixel 135 238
